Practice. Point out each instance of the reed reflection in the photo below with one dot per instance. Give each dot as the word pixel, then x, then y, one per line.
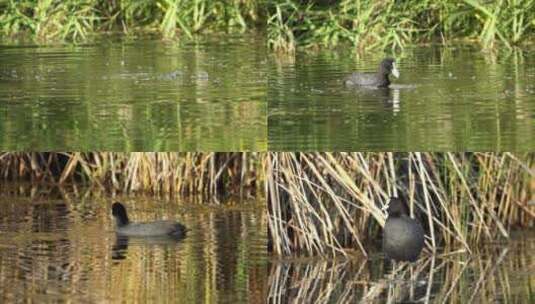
pixel 486 276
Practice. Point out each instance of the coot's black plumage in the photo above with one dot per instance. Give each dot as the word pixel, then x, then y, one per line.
pixel 379 79
pixel 124 227
pixel 403 237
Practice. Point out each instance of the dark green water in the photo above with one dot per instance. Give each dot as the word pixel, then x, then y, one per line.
pixel 207 95
pixel 446 99
pixel 60 246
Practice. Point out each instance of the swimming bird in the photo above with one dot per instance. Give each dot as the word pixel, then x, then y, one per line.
pixel 379 79
pixel 403 237
pixel 123 226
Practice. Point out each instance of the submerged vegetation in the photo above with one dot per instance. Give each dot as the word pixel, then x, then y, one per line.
pixel 182 173
pixel 330 203
pixel 74 20
pixel 393 24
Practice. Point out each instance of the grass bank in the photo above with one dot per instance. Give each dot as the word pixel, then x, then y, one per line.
pixel 210 174
pixel 372 24
pixel 74 20
pixel 330 203
pixel 364 24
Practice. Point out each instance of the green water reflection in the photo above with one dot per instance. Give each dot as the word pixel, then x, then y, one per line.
pixel 62 248
pixel 454 98
pixel 143 95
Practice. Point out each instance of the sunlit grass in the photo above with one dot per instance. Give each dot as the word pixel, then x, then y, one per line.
pixel 364 24
pixel 74 20
pixel 393 24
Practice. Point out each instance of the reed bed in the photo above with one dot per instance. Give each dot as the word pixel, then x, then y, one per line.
pixel 393 24
pixel 74 20
pixel 330 203
pixel 211 174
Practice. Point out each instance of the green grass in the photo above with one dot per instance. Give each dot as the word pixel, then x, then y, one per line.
pixel 394 24
pixel 74 20
pixel 365 24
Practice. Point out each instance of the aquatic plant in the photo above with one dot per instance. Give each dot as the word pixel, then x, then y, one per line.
pixel 185 173
pixel 74 20
pixel 364 24
pixel 330 203
pixel 393 24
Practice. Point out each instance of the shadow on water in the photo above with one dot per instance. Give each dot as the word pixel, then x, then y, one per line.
pixel 495 273
pixel 120 246
pixel 60 246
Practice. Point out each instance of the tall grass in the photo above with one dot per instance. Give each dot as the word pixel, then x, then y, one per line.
pixel 75 20
pixel 184 173
pixel 365 24
pixel 393 24
pixel 330 203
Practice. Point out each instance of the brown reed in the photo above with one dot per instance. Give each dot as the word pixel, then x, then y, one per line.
pixel 330 203
pixel 181 173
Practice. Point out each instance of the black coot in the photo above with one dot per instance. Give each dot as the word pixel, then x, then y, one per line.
pixel 403 237
pixel 123 226
pixel 379 79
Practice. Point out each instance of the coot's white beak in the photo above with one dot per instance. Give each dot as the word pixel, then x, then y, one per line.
pixel 395 71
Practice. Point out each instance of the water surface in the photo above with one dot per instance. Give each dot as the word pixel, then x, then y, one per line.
pixel 501 272
pixel 208 94
pixel 62 248
pixel 454 98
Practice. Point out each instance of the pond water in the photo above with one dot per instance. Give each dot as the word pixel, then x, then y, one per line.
pixel 454 98
pixel 59 246
pixel 496 273
pixel 144 95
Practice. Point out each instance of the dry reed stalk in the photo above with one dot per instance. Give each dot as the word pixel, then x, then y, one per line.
pixel 328 203
pixel 185 173
pixel 420 167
